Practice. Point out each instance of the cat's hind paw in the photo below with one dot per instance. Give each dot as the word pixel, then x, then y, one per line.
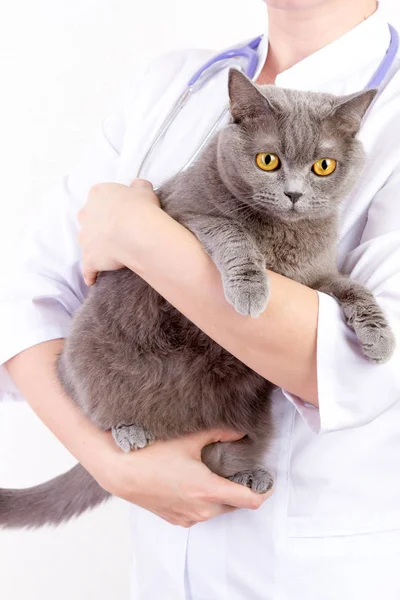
pixel 131 437
pixel 259 480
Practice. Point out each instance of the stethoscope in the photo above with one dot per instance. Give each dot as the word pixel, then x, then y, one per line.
pixel 250 54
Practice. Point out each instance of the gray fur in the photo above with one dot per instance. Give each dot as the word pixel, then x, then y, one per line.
pixel 135 365
pixel 53 502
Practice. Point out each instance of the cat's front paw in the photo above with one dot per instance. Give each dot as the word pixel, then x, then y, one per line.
pixel 377 342
pixel 248 295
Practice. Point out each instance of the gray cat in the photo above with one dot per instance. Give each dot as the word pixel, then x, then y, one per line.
pixel 264 193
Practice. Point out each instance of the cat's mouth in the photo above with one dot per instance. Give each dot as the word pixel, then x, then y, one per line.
pixel 293 213
pixel 284 211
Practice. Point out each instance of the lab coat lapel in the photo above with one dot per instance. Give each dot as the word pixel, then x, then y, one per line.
pixel 188 129
pixel 185 134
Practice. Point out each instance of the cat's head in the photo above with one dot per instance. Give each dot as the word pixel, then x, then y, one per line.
pixel 291 154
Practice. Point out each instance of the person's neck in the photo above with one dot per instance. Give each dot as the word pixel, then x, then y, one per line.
pixel 295 34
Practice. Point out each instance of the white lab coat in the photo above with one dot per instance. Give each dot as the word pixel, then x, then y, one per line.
pixel 332 529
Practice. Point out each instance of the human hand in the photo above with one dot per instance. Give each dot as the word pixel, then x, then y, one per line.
pixel 108 208
pixel 169 479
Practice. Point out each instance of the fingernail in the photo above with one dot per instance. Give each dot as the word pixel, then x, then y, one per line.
pixel 141 183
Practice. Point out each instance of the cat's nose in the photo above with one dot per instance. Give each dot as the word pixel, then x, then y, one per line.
pixel 294 196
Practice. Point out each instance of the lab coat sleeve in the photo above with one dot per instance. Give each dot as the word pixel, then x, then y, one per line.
pixel 352 390
pixel 43 285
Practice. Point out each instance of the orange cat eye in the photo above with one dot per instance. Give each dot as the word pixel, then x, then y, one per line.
pixel 324 166
pixel 267 161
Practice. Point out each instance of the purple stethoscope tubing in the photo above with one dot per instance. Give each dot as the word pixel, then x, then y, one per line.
pixel 249 52
pixel 387 62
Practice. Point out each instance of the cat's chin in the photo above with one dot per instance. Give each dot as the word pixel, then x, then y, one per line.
pixel 295 215
pixel 292 216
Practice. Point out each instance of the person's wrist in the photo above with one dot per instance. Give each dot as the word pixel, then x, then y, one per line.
pixel 94 451
pixel 133 233
pixel 120 228
pixel 106 463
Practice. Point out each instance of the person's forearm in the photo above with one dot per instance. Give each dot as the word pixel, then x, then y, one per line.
pixel 280 345
pixel 33 371
pixel 167 478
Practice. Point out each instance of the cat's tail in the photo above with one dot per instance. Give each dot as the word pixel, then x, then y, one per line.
pixel 51 503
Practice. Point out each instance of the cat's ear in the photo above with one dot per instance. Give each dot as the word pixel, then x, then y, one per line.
pixel 246 101
pixel 350 110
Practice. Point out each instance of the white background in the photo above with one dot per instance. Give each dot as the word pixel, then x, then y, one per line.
pixel 63 65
